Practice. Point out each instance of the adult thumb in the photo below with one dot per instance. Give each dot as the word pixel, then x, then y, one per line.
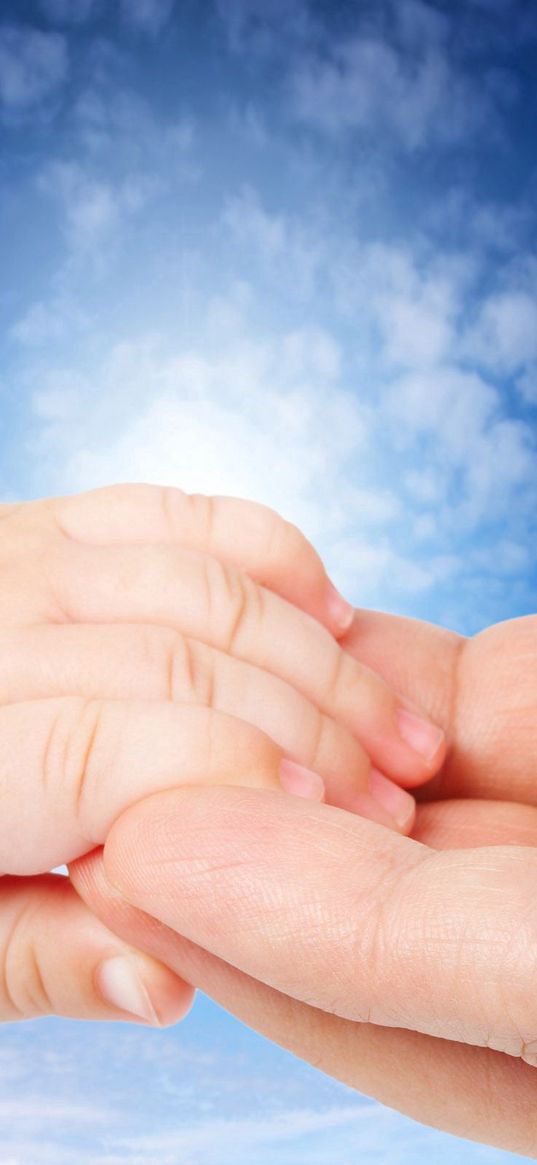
pixel 339 912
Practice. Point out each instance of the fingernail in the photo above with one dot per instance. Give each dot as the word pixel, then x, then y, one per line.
pixel 400 805
pixel 301 782
pixel 423 736
pixel 341 613
pixel 120 985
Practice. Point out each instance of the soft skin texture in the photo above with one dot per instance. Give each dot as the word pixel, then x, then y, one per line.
pixel 147 637
pixel 404 966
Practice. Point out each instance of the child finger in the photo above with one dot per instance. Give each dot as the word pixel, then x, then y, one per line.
pixel 57 958
pixel 147 662
pixel 219 605
pixel 69 766
pixel 247 534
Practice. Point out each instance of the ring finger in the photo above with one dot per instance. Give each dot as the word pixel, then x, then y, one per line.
pixel 148 662
pixel 217 604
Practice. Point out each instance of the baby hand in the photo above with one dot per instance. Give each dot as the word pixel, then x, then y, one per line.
pixel 144 644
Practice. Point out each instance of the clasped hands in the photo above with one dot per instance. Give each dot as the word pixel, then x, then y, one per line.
pixel 161 656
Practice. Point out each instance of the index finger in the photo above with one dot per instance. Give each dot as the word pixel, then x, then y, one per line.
pixel 253 537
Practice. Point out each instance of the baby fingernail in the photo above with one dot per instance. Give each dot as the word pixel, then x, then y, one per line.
pixel 423 736
pixel 397 802
pixel 341 613
pixel 120 985
pixel 301 782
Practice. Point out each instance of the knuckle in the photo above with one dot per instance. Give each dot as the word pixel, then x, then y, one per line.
pixel 234 602
pixel 284 541
pixel 337 679
pixel 318 740
pixel 70 748
pixel 355 683
pixel 203 508
pixel 188 675
pixel 23 984
pixel 375 939
pixel 172 504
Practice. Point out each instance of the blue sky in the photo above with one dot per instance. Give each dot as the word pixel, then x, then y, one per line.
pixel 206 1092
pixel 285 250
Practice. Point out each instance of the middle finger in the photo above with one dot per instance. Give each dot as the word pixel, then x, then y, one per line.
pixel 147 662
pixel 224 608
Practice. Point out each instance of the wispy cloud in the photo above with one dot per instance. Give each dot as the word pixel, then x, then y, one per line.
pixel 371 86
pixel 69 11
pixel 51 320
pixel 284 250
pixel 283 336
pixel 93 207
pixel 265 27
pixel 197 1094
pixel 504 336
pixel 33 66
pixel 398 80
pixel 146 16
pixel 268 419
pixel 149 16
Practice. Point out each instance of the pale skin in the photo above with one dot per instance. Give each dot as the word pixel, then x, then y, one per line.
pixel 149 639
pixel 419 988
pixel 404 966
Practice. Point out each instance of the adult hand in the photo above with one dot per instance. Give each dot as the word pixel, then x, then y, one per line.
pixel 136 648
pixel 403 966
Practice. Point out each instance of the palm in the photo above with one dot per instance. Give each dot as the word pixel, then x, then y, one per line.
pixel 485 693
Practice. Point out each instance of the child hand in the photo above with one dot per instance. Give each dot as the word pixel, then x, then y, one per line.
pixel 120 591
pixel 135 657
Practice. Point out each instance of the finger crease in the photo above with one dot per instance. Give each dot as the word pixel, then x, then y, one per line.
pixel 83 770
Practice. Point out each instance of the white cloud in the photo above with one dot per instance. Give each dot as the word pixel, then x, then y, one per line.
pixel 242 1134
pixel 402 306
pixel 273 420
pixel 45 322
pixel 340 436
pixel 69 11
pixel 506 558
pixel 264 27
pixel 486 460
pixel 366 84
pixel 290 253
pixel 122 1095
pixel 527 384
pixel 94 208
pixel 427 487
pixel 253 420
pixel 90 204
pixel 451 405
pixel 504 337
pixel 417 23
pixel 33 65
pixel 416 332
pixel 249 221
pixel 33 1109
pixel 119 133
pixel 148 16
pixel 248 124
pixel 365 567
